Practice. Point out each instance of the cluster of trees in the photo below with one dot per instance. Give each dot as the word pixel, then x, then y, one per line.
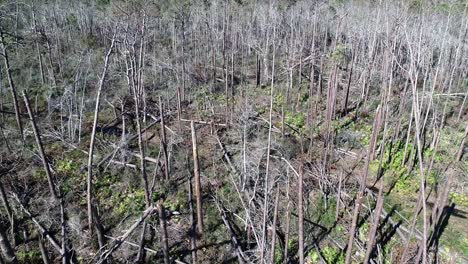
pixel 294 131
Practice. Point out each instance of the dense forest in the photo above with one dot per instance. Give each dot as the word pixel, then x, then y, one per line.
pixel 233 131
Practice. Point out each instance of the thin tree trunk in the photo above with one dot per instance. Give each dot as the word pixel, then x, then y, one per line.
pixel 164 239
pixel 44 253
pixel 37 135
pixel 12 84
pixel 300 205
pixel 288 221
pixel 89 179
pixel 196 172
pixel 361 193
pixel 273 229
pixel 9 212
pixel 267 167
pixel 7 250
pixel 163 140
pixel 193 237
pixel 141 250
pixel 462 145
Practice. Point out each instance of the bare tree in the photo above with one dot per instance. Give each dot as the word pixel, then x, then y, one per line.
pixel 89 179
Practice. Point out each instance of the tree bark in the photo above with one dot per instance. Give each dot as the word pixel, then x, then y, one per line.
pixel 163 140
pixel 164 239
pixel 14 93
pixel 196 172
pixel 7 250
pixel 89 179
pixel 40 147
pixel 300 205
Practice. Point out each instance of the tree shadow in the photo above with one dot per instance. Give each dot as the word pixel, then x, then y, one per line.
pixel 440 227
pixel 387 234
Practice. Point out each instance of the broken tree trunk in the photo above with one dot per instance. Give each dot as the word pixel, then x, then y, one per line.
pixel 119 241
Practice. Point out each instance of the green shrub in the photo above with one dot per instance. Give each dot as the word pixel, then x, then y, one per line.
pixel 333 255
pixel 296 120
pixel 459 199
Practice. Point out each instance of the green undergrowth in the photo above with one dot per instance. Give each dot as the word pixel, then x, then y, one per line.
pixel 323 210
pixel 459 199
pixel 296 120
pixel 454 242
pixel 29 256
pixel 331 254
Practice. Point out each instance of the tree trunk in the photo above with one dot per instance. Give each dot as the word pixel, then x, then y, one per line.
pixel 44 253
pixel 273 229
pixel 163 140
pixel 7 250
pixel 164 239
pixel 89 179
pixel 193 237
pixel 12 84
pixel 196 172
pixel 300 205
pixel 37 135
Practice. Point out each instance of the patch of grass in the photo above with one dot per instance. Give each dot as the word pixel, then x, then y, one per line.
pixel 454 243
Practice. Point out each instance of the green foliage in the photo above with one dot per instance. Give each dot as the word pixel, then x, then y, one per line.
pixel 293 245
pixel 459 199
pixel 416 5
pixel 132 201
pixel 333 255
pixel 278 100
pixel 338 55
pixel 455 243
pixel 30 256
pixel 296 120
pixel 102 4
pixel 325 211
pixel 313 256
pixel 366 131
pixel 364 231
pixel 304 97
pixel 203 98
pixel 89 41
pixel 407 185
pixel 70 173
pixel 72 21
pixel 66 166
pixel 213 225
pixel 279 253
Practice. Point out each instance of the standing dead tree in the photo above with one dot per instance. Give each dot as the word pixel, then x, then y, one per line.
pixel 163 140
pixel 89 179
pixel 196 172
pixel 362 189
pixel 14 92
